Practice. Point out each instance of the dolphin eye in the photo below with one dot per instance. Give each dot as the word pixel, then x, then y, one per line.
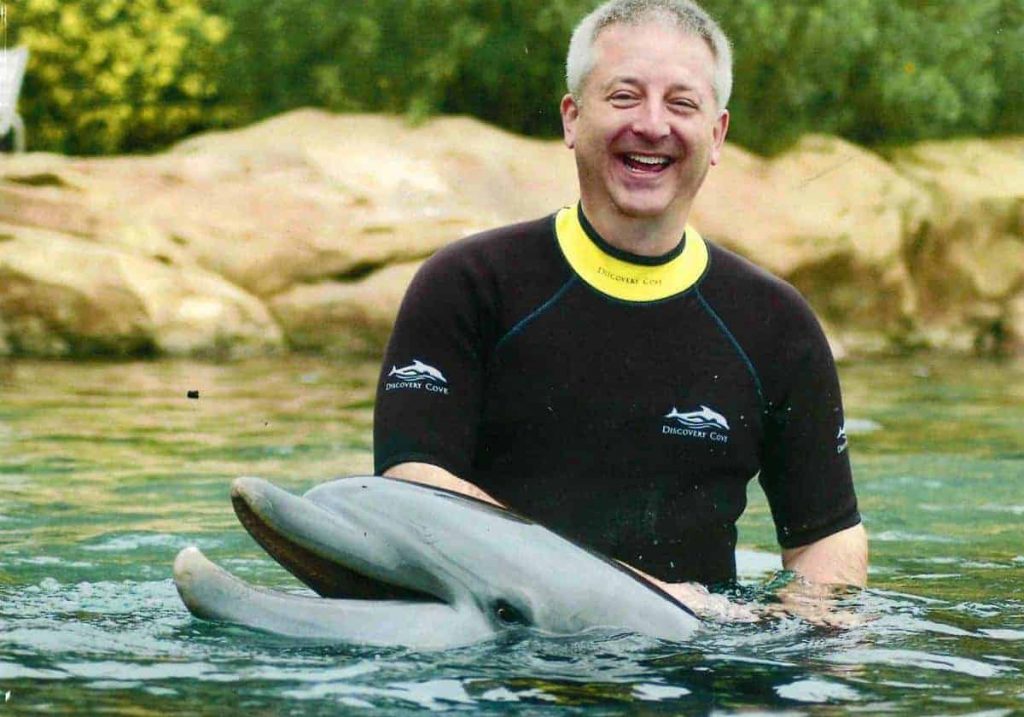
pixel 508 614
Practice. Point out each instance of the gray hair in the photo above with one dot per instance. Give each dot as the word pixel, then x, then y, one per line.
pixel 687 15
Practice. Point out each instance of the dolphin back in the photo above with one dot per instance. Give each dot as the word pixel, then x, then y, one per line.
pixel 478 552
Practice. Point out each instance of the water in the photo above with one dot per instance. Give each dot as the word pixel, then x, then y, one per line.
pixel 106 471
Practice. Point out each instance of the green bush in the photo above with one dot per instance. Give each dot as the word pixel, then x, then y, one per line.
pixel 116 75
pixel 112 75
pixel 1008 67
pixel 875 71
pixel 377 55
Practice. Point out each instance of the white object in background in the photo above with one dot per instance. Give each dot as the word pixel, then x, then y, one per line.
pixel 12 70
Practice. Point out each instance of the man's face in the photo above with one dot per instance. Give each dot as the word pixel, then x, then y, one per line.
pixel 648 126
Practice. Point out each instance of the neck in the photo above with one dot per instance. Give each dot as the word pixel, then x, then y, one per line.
pixel 643 236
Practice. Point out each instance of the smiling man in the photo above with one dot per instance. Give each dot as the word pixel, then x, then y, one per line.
pixel 606 370
pixel 644 120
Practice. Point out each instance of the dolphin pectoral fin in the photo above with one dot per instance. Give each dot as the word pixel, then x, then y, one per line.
pixel 212 593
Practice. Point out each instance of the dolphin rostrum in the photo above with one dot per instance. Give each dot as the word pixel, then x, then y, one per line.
pixel 399 563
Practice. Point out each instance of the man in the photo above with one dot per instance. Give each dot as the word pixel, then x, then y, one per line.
pixel 607 371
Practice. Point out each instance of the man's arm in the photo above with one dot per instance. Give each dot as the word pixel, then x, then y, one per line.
pixel 693 595
pixel 838 559
pixel 429 474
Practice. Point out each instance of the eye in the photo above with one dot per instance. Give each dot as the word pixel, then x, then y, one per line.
pixel 507 614
pixel 684 104
pixel 622 99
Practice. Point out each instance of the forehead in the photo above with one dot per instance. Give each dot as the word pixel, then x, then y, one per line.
pixel 652 51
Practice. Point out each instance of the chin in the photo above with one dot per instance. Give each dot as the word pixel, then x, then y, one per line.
pixel 643 209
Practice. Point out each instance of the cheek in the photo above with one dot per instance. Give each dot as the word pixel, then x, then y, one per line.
pixel 612 137
pixel 595 139
pixel 699 138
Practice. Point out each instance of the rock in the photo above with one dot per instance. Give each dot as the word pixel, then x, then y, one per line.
pixel 353 318
pixel 63 296
pixel 303 231
pixel 1015 325
pixel 313 196
pixel 968 257
pixel 829 217
pixel 5 348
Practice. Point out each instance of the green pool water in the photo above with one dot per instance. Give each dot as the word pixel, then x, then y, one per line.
pixel 107 470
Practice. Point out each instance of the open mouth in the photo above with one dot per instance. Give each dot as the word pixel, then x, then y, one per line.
pixel 646 163
pixel 326 577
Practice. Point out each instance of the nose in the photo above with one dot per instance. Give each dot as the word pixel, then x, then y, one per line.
pixel 651 121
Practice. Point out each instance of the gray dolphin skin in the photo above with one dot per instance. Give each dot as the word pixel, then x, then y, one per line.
pixel 402 564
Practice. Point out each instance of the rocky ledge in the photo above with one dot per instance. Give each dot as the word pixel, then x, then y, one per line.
pixel 302 232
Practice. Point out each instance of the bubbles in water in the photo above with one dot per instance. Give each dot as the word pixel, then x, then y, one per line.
pixel 817 690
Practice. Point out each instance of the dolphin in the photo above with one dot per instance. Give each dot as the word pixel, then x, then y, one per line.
pixel 397 563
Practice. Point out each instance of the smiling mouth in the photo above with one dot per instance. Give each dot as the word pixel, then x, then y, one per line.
pixel 645 163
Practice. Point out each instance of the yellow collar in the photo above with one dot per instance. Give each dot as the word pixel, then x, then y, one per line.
pixel 627 280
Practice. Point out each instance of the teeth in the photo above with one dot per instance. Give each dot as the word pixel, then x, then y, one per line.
pixel 646 159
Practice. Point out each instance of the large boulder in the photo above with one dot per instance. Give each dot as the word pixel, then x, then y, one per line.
pixel 62 296
pixel 967 259
pixel 311 196
pixel 304 230
pixel 831 218
pixel 344 318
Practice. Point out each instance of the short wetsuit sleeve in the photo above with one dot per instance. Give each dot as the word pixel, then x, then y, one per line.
pixel 805 470
pixel 428 398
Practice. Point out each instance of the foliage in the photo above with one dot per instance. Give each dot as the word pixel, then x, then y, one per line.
pixel 115 75
pixel 383 55
pixel 1008 66
pixel 109 74
pixel 875 72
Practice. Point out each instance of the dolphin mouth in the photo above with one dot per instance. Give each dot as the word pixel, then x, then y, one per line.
pixel 297 552
pixel 367 592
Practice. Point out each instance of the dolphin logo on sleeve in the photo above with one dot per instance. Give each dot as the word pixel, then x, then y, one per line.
pixel 417 371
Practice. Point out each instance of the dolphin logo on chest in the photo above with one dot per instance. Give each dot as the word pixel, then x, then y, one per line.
pixel 704 418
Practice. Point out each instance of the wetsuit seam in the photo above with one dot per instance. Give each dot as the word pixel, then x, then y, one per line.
pixel 724 328
pixel 524 322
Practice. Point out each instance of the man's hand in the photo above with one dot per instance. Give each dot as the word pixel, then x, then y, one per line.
pixel 815 604
pixel 822 569
pixel 704 603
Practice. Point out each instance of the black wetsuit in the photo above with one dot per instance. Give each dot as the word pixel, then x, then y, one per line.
pixel 620 400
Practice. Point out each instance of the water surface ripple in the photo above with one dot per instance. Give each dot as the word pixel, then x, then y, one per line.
pixel 107 470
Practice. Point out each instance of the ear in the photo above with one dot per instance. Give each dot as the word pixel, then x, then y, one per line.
pixel 570 113
pixel 718 133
